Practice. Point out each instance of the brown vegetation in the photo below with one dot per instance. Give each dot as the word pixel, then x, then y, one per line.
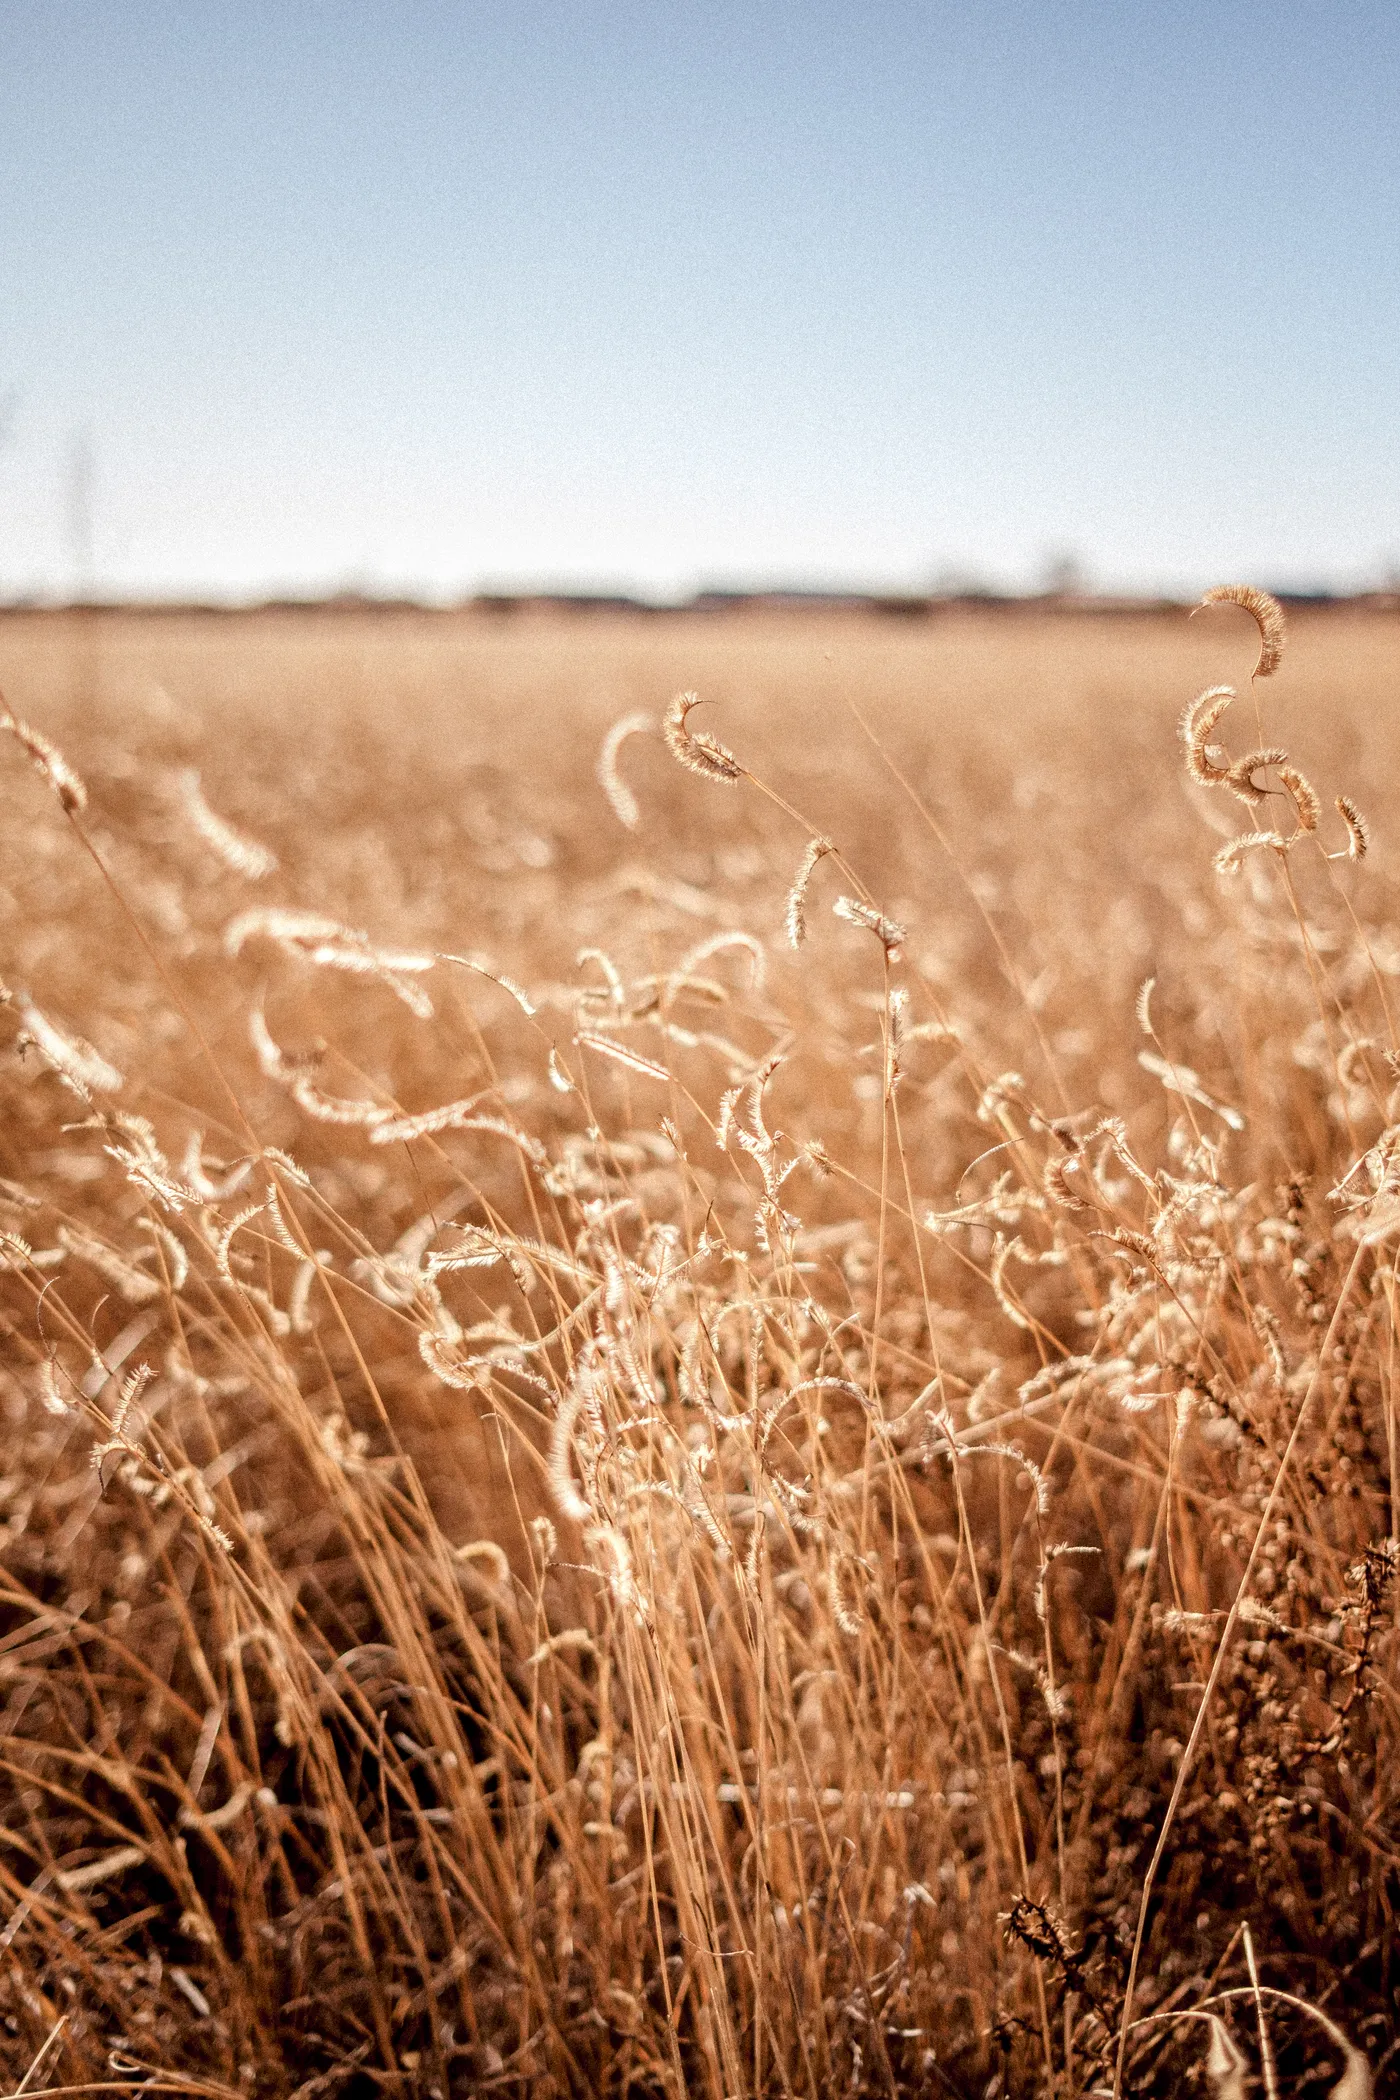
pixel 726 1434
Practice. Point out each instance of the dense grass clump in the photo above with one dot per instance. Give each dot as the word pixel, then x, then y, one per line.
pixel 723 1428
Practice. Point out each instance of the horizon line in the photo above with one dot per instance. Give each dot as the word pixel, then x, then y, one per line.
pixel 708 599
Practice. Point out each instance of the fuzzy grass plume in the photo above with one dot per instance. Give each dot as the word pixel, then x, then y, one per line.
pixel 1267 615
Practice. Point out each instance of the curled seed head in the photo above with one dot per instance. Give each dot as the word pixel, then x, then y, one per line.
pixel 330 945
pixel 855 913
pixel 1198 720
pixel 76 1061
pixel 273 1061
pixel 485 1550
pixel 560 1469
pixel 1240 779
pixel 1057 1186
pixel 795 915
pixel 439 1352
pixel 1230 859
pixel 1358 830
pixel 701 752
pixel 624 802
pixel 1266 613
pixel 131 1283
pixel 333 1108
pixel 50 762
pixel 245 856
pixel 1305 797
pixel 846 1618
pixel 1144 1005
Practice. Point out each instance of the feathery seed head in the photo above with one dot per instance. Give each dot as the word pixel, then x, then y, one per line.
pixel 1306 800
pixel 243 855
pixel 1057 1186
pixel 1240 779
pixel 624 803
pixel 795 912
pixel 126 1279
pixel 699 751
pixel 454 1115
pixel 484 968
pixel 889 931
pixel 273 1061
pixel 50 762
pixel 72 1058
pixel 1266 613
pixel 291 929
pixel 846 1618
pixel 1358 830
pixel 328 944
pixel 1230 859
pixel 620 1054
pixel 716 943
pixel 559 1473
pixel 1198 720
pixel 1144 1005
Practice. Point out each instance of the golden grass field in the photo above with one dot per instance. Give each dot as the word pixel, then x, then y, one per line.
pixel 828 1527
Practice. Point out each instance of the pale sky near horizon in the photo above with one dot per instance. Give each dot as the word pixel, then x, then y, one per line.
pixel 435 296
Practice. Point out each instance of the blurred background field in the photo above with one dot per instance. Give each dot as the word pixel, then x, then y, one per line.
pixel 431 778
pixel 443 764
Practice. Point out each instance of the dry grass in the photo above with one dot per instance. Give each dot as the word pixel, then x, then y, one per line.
pixel 726 1560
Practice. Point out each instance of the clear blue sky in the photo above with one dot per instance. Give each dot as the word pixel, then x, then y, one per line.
pixel 659 294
